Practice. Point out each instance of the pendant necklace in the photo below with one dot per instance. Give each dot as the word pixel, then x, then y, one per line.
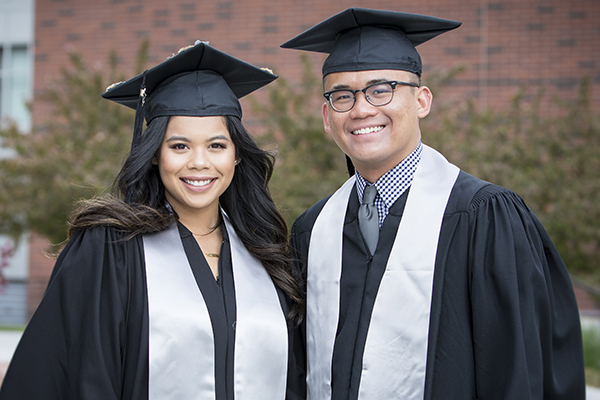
pixel 215 255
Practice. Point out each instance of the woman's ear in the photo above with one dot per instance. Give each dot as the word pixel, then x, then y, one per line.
pixel 154 160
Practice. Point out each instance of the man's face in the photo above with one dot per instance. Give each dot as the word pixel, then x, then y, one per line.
pixel 377 138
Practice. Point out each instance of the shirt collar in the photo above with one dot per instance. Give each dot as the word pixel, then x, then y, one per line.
pixel 394 182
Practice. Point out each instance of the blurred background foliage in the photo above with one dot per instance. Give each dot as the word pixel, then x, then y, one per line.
pixel 591 355
pixel 551 159
pixel 75 154
pixel 309 165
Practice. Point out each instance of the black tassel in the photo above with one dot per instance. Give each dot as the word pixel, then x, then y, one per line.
pixel 139 114
pixel 137 131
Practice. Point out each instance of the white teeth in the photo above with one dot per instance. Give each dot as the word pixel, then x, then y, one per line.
pixel 197 183
pixel 370 129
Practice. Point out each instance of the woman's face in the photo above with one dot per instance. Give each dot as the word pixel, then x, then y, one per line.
pixel 196 161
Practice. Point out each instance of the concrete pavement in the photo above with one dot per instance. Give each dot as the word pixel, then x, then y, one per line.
pixel 8 343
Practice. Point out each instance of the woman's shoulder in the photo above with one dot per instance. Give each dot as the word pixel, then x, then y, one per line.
pixel 98 254
pixel 100 242
pixel 102 235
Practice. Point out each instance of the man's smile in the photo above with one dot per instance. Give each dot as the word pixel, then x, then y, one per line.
pixel 371 129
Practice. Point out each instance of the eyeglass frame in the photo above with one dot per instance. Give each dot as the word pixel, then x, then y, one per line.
pixel 393 84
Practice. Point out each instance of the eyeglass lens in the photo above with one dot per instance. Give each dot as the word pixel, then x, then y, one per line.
pixel 378 95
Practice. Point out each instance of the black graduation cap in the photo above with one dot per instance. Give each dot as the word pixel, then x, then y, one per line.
pixel 198 81
pixel 359 39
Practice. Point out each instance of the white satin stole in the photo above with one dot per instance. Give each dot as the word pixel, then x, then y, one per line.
pixel 395 354
pixel 181 336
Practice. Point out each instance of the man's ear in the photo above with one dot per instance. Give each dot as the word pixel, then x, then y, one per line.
pixel 325 112
pixel 424 101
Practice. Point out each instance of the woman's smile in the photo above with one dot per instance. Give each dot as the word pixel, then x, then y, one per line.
pixel 196 161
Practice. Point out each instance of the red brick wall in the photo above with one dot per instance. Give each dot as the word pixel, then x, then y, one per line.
pixel 503 44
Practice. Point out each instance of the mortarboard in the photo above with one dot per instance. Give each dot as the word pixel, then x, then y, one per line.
pixel 359 39
pixel 198 81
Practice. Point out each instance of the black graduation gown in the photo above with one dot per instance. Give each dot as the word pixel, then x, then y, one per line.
pixel 88 339
pixel 504 322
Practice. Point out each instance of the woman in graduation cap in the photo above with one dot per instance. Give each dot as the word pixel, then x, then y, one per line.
pixel 179 286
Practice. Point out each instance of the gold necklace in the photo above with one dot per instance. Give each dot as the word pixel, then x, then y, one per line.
pixel 215 255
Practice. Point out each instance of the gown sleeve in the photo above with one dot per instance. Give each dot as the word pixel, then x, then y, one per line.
pixel 75 343
pixel 526 330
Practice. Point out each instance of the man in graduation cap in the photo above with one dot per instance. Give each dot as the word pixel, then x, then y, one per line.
pixel 423 282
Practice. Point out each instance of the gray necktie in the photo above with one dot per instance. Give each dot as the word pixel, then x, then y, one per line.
pixel 368 220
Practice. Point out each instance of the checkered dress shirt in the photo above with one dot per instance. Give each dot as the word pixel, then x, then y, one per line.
pixel 392 184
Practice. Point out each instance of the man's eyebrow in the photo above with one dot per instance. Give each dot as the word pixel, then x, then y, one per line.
pixel 371 82
pixel 340 86
pixel 379 80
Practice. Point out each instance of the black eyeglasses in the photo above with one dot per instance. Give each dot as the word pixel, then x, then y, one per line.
pixel 377 94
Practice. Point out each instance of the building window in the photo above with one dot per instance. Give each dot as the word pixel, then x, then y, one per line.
pixel 15 84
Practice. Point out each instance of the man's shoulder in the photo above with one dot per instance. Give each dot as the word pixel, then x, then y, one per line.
pixel 470 193
pixel 306 220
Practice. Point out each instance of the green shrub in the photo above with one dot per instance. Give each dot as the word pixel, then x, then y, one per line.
pixel 591 355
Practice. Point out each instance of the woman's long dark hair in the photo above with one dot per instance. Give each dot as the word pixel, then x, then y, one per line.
pixel 255 217
pixel 247 202
pixel 138 175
